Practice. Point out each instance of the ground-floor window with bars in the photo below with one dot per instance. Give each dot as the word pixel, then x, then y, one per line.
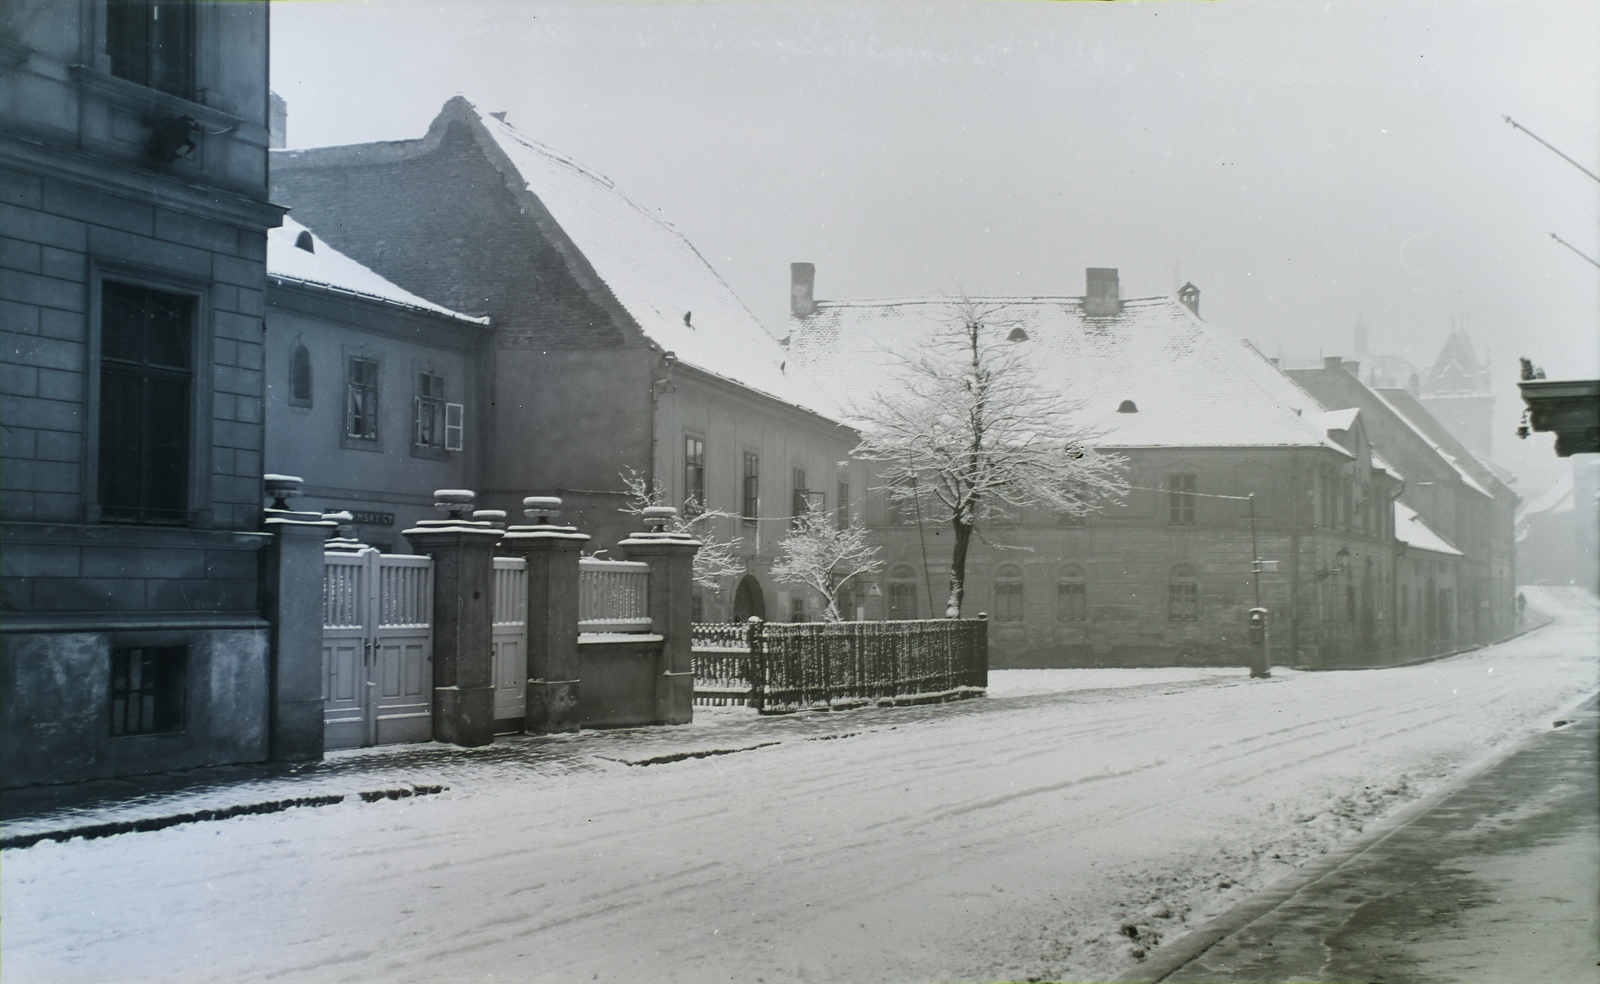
pixel 147 689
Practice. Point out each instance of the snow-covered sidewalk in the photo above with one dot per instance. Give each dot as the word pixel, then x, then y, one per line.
pixel 1042 832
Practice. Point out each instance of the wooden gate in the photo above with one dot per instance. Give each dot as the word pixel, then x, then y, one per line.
pixel 510 643
pixel 377 648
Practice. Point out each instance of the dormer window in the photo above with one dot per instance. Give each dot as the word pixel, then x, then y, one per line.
pixel 1127 406
pixel 152 43
pixel 305 242
pixel 1017 335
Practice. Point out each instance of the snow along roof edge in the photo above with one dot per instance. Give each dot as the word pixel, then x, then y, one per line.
pixel 677 299
pixel 325 267
pixel 1192 385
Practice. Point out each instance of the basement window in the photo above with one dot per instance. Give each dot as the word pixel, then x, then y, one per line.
pixel 147 690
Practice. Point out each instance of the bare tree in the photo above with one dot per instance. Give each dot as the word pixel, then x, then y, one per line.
pixel 825 557
pixel 968 431
pixel 716 559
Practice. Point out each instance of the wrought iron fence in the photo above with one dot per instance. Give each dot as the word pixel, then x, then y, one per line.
pixel 613 596
pixel 780 667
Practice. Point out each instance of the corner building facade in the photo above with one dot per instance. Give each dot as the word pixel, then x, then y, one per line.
pixel 133 218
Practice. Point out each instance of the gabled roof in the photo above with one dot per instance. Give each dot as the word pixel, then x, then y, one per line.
pixel 1193 385
pixel 1410 530
pixel 1456 370
pixel 1474 472
pixel 325 267
pixel 1336 385
pixel 661 281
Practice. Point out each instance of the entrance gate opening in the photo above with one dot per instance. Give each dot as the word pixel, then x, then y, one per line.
pixel 377 648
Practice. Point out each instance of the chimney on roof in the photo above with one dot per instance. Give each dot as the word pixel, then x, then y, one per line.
pixel 1189 297
pixel 1332 362
pixel 802 289
pixel 1104 298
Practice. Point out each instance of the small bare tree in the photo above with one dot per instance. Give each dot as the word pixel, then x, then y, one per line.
pixel 716 559
pixel 968 431
pixel 825 557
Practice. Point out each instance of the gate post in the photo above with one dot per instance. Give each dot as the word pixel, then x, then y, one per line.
pixel 463 633
pixel 291 586
pixel 552 555
pixel 671 560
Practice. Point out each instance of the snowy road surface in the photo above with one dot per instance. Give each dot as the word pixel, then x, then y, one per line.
pixel 1037 833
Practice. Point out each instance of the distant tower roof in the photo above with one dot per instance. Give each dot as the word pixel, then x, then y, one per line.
pixel 1457 369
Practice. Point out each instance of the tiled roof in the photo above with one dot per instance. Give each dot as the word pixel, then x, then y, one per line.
pixel 1193 385
pixel 325 267
pixel 655 274
pixel 1410 530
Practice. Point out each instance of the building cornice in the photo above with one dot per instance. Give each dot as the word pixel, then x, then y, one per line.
pixel 100 174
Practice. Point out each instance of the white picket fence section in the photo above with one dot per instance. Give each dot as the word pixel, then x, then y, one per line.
pixel 613 595
pixel 510 638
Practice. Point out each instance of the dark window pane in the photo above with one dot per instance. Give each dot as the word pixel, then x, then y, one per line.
pixel 147 689
pixel 300 376
pixel 144 404
pixel 152 43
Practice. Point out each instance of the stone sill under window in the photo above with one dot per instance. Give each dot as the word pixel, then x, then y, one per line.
pixel 429 451
pixel 136 98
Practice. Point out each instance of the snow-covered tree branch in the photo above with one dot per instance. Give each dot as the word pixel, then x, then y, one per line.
pixel 966 429
pixel 717 559
pixel 824 557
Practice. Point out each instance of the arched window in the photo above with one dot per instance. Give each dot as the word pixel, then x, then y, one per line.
pixel 1008 593
pixel 300 376
pixel 1072 602
pixel 1183 594
pixel 902 592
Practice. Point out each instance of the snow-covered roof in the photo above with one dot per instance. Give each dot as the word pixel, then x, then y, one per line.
pixel 1192 385
pixel 1410 530
pixel 1455 462
pixel 1338 419
pixel 655 274
pixel 323 266
pixel 1555 499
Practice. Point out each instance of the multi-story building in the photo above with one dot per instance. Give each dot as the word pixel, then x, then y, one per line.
pixel 1166 575
pixel 1452 490
pixel 616 350
pixel 133 221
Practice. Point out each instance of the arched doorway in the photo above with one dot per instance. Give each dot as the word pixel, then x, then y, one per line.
pixel 748 600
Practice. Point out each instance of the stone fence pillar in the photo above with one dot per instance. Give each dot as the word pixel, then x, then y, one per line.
pixel 463 630
pixel 291 585
pixel 552 552
pixel 671 560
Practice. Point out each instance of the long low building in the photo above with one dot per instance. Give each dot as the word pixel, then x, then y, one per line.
pixel 1165 576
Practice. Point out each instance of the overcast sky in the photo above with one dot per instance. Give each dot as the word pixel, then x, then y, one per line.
pixel 1304 164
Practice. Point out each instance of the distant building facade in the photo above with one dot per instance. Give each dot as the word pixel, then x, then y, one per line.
pixel 133 220
pixel 1166 576
pixel 615 348
pixel 375 396
pixel 1458 496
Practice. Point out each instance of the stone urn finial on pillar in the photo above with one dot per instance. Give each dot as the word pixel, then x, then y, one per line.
pixel 671 559
pixel 463 621
pixel 551 551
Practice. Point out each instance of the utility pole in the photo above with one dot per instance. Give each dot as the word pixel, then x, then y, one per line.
pixel 1262 664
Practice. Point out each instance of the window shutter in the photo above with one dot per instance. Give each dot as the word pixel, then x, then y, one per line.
pixel 453 426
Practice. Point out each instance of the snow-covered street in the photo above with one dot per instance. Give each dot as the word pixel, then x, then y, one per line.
pixel 1009 838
